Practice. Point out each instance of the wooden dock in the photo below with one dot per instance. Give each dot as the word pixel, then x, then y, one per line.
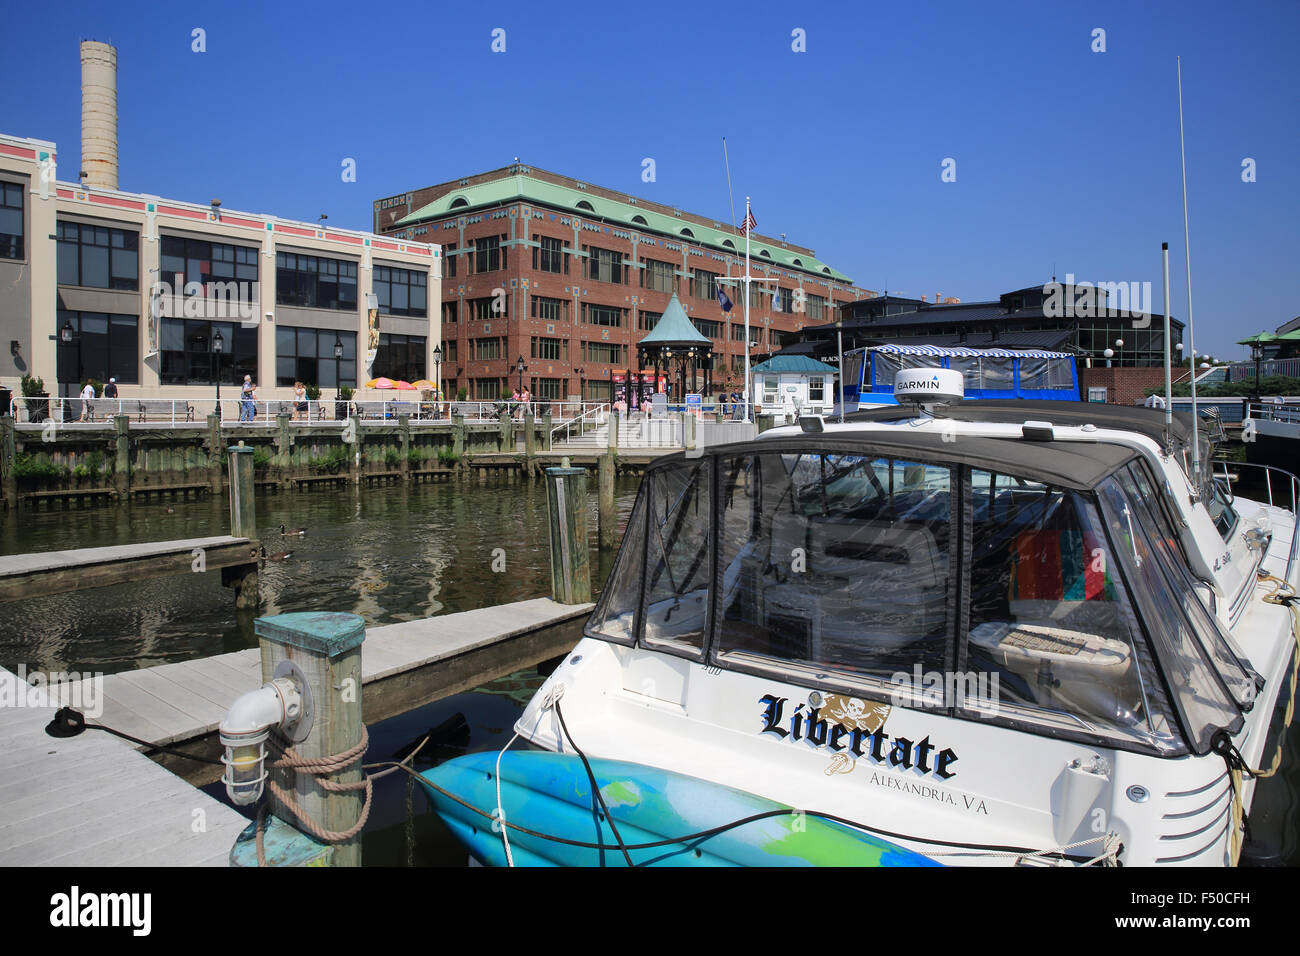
pixel 93 800
pixel 57 572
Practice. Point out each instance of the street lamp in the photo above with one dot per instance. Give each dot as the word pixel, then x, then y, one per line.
pixel 1257 353
pixel 218 346
pixel 437 380
pixel 338 347
pixel 519 367
pixel 66 335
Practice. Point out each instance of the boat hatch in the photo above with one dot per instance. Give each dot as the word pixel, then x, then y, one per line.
pixel 853 568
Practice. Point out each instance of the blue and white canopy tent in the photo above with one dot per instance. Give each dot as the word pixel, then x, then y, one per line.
pixel 989 373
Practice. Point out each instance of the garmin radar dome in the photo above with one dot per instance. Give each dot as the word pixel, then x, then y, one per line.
pixel 929 386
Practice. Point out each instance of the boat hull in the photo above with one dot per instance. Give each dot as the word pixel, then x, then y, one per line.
pixel 551 793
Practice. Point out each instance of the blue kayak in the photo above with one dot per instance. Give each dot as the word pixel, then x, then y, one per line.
pixel 551 794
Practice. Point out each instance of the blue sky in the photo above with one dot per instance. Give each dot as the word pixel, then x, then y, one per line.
pixel 1065 158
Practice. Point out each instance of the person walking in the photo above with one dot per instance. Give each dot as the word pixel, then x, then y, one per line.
pixel 299 400
pixel 87 394
pixel 247 398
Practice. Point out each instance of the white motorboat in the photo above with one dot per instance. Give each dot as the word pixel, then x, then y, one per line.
pixel 990 632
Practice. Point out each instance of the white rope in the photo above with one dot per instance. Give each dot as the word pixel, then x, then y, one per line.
pixel 1109 841
pixel 500 815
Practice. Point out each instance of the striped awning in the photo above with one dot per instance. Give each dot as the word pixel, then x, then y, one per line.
pixel 965 353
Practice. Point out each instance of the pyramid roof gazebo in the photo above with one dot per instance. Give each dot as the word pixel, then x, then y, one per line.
pixel 674 328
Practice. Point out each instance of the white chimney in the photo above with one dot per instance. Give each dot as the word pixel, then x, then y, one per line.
pixel 99 114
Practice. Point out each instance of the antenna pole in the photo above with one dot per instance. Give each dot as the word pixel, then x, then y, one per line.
pixel 727 162
pixel 1169 347
pixel 747 280
pixel 1187 248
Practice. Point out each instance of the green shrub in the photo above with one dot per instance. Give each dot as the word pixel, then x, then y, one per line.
pixel 415 458
pixel 345 393
pixel 31 470
pixel 312 392
pixel 31 385
pixel 332 462
pixel 95 462
pixel 261 458
pixel 447 457
pixel 392 457
pixel 80 471
pixel 462 394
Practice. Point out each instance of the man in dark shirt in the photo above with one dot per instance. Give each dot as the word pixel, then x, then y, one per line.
pixel 110 390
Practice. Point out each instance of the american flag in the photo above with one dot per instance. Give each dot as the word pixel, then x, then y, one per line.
pixel 749 223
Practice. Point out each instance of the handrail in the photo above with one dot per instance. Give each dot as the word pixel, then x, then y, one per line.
pixel 581 420
pixel 1293 485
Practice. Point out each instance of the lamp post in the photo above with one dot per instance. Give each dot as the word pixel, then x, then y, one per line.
pixel 218 345
pixel 1257 353
pixel 519 367
pixel 437 381
pixel 66 335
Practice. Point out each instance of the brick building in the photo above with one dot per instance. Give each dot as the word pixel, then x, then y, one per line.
pixel 570 277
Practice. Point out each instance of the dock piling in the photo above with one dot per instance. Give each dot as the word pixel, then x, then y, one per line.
pixel 566 497
pixel 607 511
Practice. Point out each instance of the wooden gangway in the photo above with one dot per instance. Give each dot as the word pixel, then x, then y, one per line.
pixel 57 572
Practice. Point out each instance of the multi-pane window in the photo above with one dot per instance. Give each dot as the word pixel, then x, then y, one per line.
pixel 307 356
pixel 11 221
pixel 737 331
pixel 606 352
pixel 550 256
pixel 816 388
pixel 658 276
pixel 400 357
pixel 102 346
pixel 783 301
pixel 315 282
pixel 646 321
pixel 449 262
pixel 552 310
pixel 708 328
pixel 554 349
pixel 187 357
pixel 485 309
pixel 485 349
pixel 602 315
pixel 704 285
pixel 98 257
pixel 604 265
pixel 401 291
pixel 197 260
pixel 816 307
pixel 548 389
pixel 488 254
pixel 450 351
pixel 487 389
pixel 451 311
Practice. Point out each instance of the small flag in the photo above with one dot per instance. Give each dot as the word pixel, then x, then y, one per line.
pixel 749 223
pixel 723 300
pixel 776 298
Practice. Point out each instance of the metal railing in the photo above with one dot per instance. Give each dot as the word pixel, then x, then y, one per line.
pixel 1291 485
pixel 1282 410
pixel 590 418
pixel 1245 371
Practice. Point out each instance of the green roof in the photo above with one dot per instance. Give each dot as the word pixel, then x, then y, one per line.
pixel 527 189
pixel 794 363
pixel 674 328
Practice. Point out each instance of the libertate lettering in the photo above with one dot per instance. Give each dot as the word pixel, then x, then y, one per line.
pixel 804 723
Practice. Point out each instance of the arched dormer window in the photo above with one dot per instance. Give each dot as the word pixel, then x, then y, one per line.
pixel 458 202
pixel 765 254
pixel 583 204
pixel 687 233
pixel 797 262
pixel 640 220
pixel 728 243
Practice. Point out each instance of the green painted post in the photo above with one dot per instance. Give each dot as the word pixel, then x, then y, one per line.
pixel 243 516
pixel 566 498
pixel 122 461
pixel 325 647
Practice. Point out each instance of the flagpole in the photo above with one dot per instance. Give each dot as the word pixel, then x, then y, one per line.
pixel 747 231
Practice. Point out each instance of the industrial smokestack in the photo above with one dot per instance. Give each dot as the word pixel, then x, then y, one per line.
pixel 99 114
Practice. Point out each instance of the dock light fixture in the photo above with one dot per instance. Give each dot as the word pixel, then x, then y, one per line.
pixel 65 333
pixel 519 366
pixel 218 344
pixel 14 346
pixel 338 347
pixel 283 704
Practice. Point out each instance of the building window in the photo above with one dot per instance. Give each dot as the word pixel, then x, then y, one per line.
pixel 315 282
pixel 552 310
pixel 816 388
pixel 737 332
pixel 488 254
pixel 606 352
pixel 816 307
pixel 11 221
pixel 102 346
pixel 554 349
pixel 483 350
pixel 97 257
pixel 1097 394
pixel 708 328
pixel 450 351
pixel 658 276
pixel 704 285
pixel 604 265
pixel 483 310
pixel 307 356
pixel 550 256
pixel 401 291
pixel 487 389
pixel 400 357
pixel 602 315
pixel 186 356
pixel 208 263
pixel 548 389
pixel 646 321
pixel 451 311
pixel 784 298
pixel 449 257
